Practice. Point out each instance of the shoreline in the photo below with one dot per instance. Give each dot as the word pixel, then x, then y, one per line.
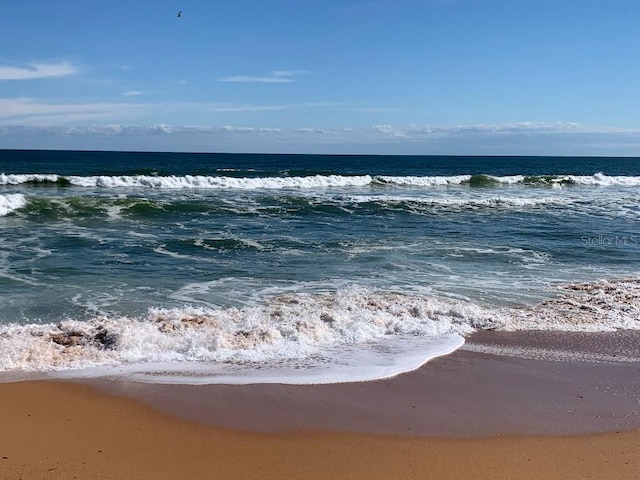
pixel 468 415
pixel 463 394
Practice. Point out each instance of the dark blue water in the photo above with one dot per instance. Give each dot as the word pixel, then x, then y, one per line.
pixel 133 163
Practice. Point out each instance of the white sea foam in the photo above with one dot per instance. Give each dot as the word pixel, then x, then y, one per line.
pixel 457 202
pixel 509 179
pixel 192 181
pixel 208 182
pixel 11 202
pixel 346 363
pixel 599 179
pixel 13 179
pixel 306 182
pixel 350 335
pixel 430 181
pixel 161 249
pixel 584 307
pixel 288 327
pixel 424 181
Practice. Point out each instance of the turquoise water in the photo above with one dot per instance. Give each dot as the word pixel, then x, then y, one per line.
pixel 145 238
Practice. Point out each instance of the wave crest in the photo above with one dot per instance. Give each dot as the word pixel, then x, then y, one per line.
pixel 288 326
pixel 11 202
pixel 311 181
pixel 294 326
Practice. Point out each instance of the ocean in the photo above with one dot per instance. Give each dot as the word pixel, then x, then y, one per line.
pixel 244 268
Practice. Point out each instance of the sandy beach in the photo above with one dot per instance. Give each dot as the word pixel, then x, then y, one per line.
pixel 467 415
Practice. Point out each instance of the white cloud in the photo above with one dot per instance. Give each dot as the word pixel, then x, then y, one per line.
pixel 436 131
pixel 381 132
pixel 264 79
pixel 133 93
pixel 34 112
pixel 33 123
pixel 37 70
pixel 321 131
pixel 290 73
pixel 30 112
pixel 277 76
pixel 388 129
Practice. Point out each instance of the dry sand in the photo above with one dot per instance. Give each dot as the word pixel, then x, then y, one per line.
pixel 64 430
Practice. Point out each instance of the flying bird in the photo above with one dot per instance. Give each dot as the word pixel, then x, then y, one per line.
pixel 179 14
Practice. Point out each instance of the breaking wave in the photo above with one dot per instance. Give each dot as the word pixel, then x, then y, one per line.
pixel 311 181
pixel 299 326
pixel 598 179
pixel 11 202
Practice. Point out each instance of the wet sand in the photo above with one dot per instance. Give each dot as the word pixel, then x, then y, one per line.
pixel 464 394
pixel 468 415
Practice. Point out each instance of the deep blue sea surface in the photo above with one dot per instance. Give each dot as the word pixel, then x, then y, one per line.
pixel 116 259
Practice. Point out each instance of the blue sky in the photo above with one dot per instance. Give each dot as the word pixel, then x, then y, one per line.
pixel 371 76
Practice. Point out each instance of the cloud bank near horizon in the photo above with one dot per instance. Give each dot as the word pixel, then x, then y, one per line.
pixel 523 138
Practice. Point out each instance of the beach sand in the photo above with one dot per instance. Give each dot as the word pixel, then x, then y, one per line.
pixel 468 415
